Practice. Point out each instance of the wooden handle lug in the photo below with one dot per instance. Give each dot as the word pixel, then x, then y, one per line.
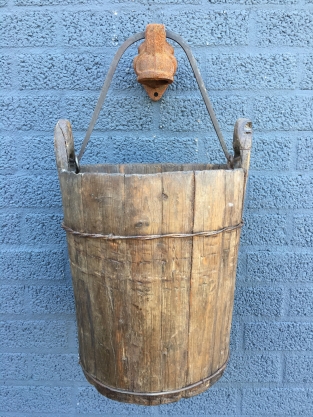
pixel 64 146
pixel 242 142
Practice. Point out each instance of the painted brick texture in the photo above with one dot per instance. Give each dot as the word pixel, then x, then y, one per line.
pixel 36 399
pixel 33 28
pixel 27 264
pixel 281 402
pixel 256 59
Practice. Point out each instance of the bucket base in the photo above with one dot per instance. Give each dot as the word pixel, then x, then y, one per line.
pixel 155 398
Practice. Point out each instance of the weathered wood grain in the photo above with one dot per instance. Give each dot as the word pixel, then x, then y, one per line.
pixel 177 216
pixel 242 143
pixel 208 215
pixel 143 215
pixel 100 168
pixel 228 262
pixel 71 185
pixel 63 144
pixel 103 212
pixel 148 168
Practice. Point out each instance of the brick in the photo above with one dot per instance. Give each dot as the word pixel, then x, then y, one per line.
pixel 32 264
pixel 12 299
pixel 36 153
pixel 241 265
pixel 218 27
pixel 36 113
pixel 10 229
pixel 35 399
pixel 184 78
pixel 125 78
pixel 98 150
pixel 50 2
pixel 30 147
pixel 5 71
pixel 283 113
pixel 299 368
pixel 13 366
pixel 238 71
pixel 30 113
pixel 117 113
pixel 305 153
pixel 31 415
pixel 90 401
pixel 53 367
pixel 7 153
pixel 7 113
pixel 52 299
pixel 253 2
pixel 213 402
pixel 184 115
pixel 264 229
pixel 128 23
pixel 285 28
pixel 30 191
pixel 42 229
pixel 301 302
pixel 280 191
pixel 76 342
pixel 28 29
pixel 280 267
pixel 306 81
pixel 88 28
pixel 278 336
pixel 303 231
pixel 234 337
pixel 277 401
pixel 33 334
pixel 134 149
pixel 271 153
pixel 62 71
pixel 153 148
pixel 252 368
pixel 213 152
pixel 105 28
pixel 190 114
pixel 167 2
pixel 258 301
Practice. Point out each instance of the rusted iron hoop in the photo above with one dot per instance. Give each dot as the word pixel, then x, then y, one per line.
pixel 151 237
pixel 156 394
pixel 193 63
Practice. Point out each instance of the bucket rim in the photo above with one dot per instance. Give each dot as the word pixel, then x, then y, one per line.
pixel 148 169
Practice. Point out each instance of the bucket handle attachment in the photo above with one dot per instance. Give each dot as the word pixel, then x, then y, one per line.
pixel 110 74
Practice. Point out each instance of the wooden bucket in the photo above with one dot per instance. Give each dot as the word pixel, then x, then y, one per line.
pixel 154 316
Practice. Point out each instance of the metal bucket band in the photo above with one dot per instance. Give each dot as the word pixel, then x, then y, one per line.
pixel 150 237
pixel 155 394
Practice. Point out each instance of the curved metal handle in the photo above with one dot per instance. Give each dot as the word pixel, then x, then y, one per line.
pixel 204 93
pixel 197 74
pixel 106 86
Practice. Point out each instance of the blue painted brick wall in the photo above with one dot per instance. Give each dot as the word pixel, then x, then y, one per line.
pixel 256 60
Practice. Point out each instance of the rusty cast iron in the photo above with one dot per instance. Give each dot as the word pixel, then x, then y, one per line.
pixel 155 65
